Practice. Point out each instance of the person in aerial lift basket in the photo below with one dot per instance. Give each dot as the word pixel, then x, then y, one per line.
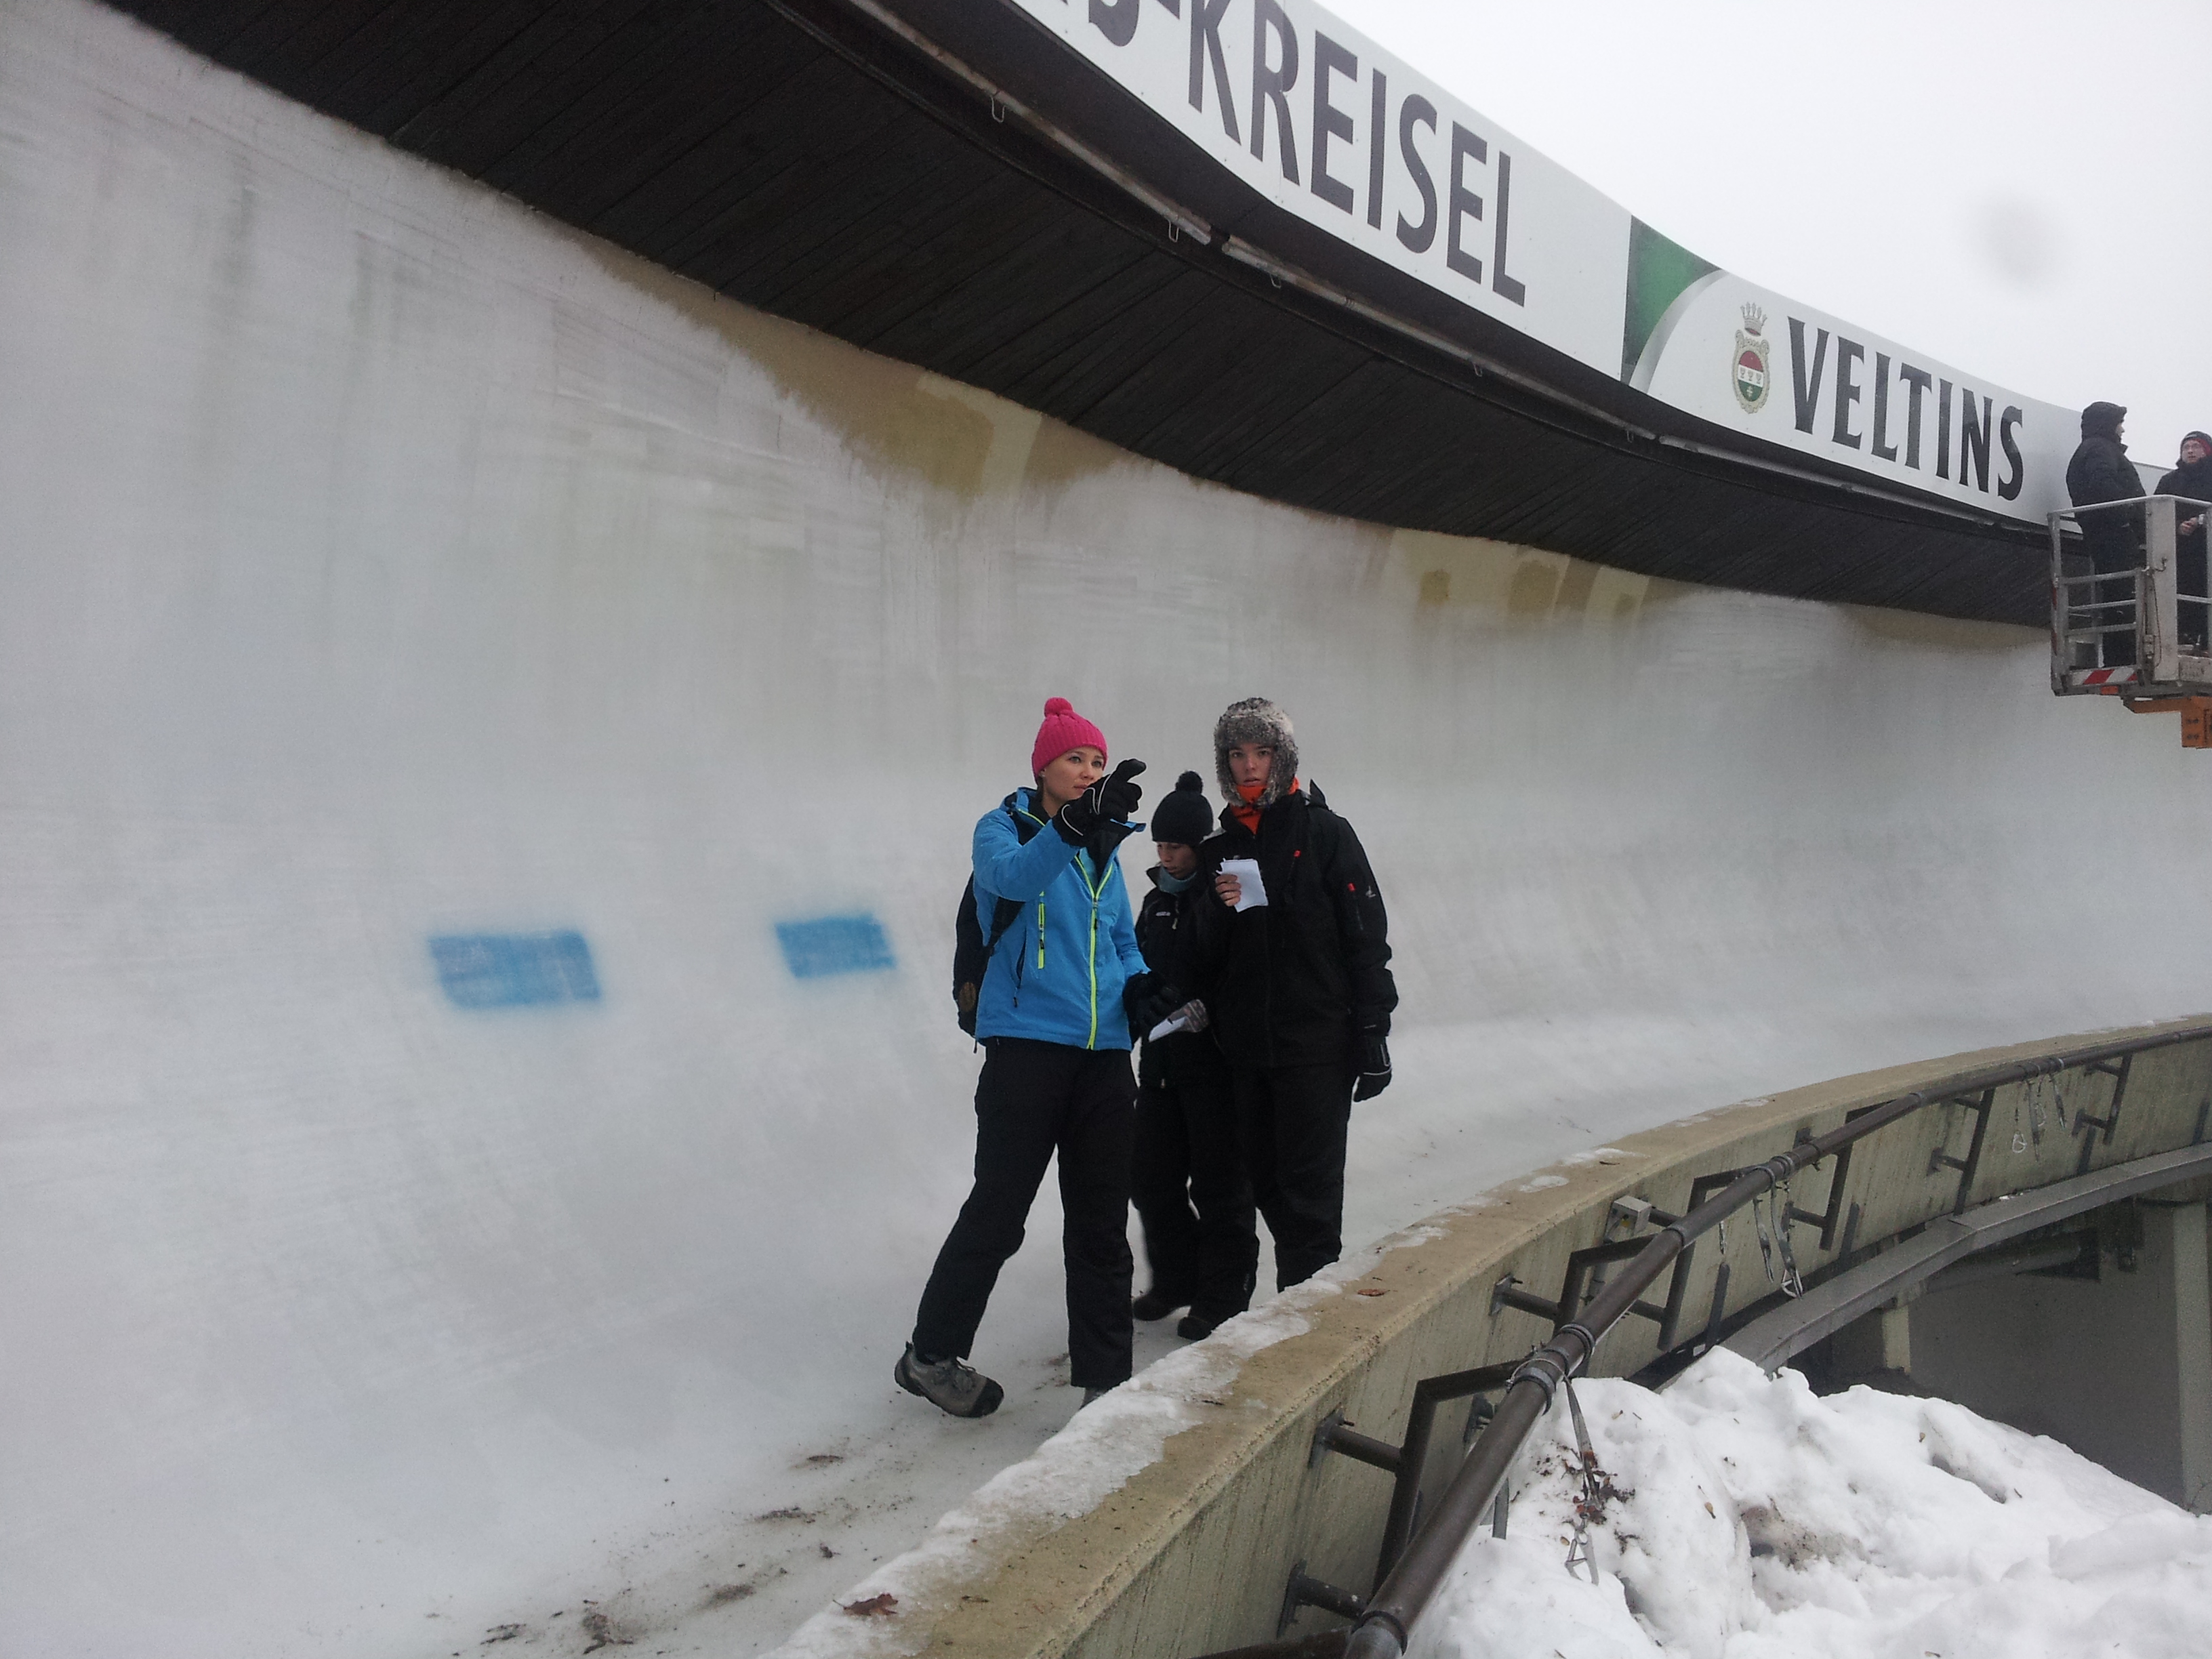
pixel 1297 978
pixel 2191 478
pixel 1187 1179
pixel 2101 472
pixel 1053 1013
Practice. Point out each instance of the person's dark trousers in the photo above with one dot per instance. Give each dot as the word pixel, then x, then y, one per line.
pixel 1035 1099
pixel 2108 558
pixel 1292 1122
pixel 2189 576
pixel 1189 1183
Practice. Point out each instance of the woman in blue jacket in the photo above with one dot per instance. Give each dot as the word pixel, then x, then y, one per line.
pixel 1053 1015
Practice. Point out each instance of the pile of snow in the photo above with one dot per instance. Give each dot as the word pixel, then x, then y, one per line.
pixel 1755 1520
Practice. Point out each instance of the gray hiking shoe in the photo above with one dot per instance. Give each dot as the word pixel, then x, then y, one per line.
pixel 1093 1396
pixel 951 1387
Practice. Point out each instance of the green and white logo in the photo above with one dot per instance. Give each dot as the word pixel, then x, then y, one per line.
pixel 1749 374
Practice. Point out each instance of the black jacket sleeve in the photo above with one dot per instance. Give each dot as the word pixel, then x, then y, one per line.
pixel 1364 929
pixel 1206 949
pixel 2101 472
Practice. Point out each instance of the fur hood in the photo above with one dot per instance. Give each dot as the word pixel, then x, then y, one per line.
pixel 1256 721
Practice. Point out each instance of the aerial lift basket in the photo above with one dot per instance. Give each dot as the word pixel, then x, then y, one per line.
pixel 2134 633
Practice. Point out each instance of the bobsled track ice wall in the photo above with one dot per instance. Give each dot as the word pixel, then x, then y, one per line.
pixel 380 563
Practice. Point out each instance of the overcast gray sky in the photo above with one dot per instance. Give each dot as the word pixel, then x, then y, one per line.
pixel 2024 190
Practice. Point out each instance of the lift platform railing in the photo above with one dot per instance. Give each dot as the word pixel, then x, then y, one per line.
pixel 2133 631
pixel 1412 1576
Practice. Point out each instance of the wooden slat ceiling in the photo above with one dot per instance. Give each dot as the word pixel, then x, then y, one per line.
pixel 796 157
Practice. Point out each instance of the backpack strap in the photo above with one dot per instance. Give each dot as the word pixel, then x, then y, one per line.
pixel 1008 911
pixel 1004 914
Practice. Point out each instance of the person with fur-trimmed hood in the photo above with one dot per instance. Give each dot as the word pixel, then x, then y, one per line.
pixel 1298 984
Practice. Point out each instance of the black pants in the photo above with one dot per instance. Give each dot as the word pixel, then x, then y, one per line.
pixel 1290 1124
pixel 1035 1099
pixel 2118 650
pixel 1190 1189
pixel 2189 584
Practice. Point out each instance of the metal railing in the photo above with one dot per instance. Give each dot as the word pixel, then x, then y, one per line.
pixel 1956 1250
pixel 1410 1577
pixel 2132 627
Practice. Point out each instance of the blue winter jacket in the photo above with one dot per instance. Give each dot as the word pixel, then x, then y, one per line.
pixel 1057 974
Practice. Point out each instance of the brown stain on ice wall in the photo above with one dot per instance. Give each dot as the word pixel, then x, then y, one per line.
pixel 1522 586
pixel 1536 583
pixel 893 417
pixel 1060 454
pixel 1943 633
pixel 970 444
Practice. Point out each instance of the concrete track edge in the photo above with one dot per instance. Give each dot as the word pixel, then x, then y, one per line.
pixel 1190 1553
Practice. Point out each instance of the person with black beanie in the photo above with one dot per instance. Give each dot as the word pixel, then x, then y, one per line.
pixel 2101 472
pixel 1296 976
pixel 2191 478
pixel 1186 1178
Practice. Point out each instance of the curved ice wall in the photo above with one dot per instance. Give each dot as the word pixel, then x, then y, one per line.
pixel 487 739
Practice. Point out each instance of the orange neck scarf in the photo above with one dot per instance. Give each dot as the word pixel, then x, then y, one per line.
pixel 1249 813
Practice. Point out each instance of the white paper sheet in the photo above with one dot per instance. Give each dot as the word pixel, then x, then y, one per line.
pixel 1178 1021
pixel 1246 872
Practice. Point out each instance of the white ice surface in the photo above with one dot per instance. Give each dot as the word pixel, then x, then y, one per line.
pixel 379 559
pixel 1753 1520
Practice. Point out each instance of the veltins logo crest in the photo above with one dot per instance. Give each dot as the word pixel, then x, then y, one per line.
pixel 1749 374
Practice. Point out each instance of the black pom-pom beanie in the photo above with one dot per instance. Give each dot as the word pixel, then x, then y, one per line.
pixel 1184 814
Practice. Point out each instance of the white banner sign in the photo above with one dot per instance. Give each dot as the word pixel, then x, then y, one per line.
pixel 1316 118
pixel 1323 123
pixel 1747 358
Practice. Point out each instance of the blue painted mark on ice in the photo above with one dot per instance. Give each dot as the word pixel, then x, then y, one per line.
pixel 833 944
pixel 513 970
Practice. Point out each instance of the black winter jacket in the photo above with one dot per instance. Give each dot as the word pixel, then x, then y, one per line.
pixel 1164 930
pixel 2101 472
pixel 2194 480
pixel 1297 980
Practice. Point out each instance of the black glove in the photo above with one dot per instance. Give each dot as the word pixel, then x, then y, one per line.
pixel 1374 1066
pixel 1109 799
pixel 1148 999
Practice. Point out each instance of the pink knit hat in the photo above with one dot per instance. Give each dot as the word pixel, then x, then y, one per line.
pixel 1063 729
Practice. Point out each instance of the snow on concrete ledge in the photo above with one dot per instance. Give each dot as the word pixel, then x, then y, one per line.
pixel 1101 1448
pixel 1166 1518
